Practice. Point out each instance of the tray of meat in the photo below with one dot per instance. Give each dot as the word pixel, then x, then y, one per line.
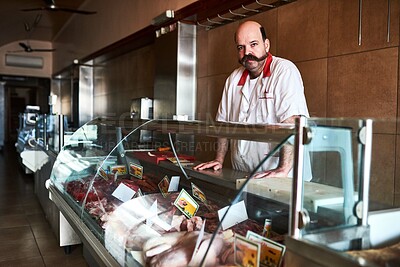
pixel 156 157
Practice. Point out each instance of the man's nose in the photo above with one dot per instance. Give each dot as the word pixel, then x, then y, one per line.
pixel 248 51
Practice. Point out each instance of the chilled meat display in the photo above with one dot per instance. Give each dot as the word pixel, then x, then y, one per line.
pixel 95 193
pixel 151 224
pixel 178 249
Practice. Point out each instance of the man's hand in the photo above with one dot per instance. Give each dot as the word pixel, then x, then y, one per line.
pixel 278 172
pixel 215 164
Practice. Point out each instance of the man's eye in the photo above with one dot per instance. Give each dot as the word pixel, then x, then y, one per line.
pixel 253 44
pixel 240 48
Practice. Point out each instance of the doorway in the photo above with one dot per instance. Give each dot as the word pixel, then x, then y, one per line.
pixel 18 98
pixel 18 93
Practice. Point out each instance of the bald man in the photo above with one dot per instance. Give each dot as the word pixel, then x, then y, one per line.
pixel 265 89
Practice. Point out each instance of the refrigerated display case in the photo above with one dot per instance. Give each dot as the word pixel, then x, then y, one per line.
pixel 26 136
pixel 360 232
pixel 136 201
pixel 51 130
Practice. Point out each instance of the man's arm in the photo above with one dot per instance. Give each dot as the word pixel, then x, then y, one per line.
pixel 286 158
pixel 216 164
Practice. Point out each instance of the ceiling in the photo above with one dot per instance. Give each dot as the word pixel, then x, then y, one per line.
pixel 41 25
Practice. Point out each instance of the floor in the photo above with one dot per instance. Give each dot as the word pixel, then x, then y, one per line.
pixel 26 238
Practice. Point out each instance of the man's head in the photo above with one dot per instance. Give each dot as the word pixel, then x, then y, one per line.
pixel 252 46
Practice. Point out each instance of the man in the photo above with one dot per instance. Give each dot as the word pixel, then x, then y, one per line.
pixel 265 89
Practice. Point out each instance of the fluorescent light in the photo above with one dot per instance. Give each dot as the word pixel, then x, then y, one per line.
pixel 24 61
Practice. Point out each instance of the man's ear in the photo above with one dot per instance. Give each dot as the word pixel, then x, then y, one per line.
pixel 267 45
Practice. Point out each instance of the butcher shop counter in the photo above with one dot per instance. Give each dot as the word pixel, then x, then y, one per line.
pixel 367 232
pixel 51 129
pixel 129 190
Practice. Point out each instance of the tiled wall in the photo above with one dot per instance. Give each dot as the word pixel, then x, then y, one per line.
pixel 342 78
pixel 122 79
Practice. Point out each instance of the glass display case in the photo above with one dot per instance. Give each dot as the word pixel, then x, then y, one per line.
pixel 26 129
pixel 130 190
pixel 50 131
pixel 354 231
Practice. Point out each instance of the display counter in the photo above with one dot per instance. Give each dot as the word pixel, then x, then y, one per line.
pixel 129 190
pixel 50 131
pixel 360 232
pixel 25 144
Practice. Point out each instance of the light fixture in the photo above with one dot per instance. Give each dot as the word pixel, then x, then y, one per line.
pixel 164 17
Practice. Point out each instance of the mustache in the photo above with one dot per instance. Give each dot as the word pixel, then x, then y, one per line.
pixel 252 57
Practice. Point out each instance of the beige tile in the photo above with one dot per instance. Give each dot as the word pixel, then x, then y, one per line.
pixel 397 200
pixel 11 198
pixel 382 169
pixel 11 210
pixel 302 36
pixel 222 53
pixel 65 261
pixel 15 234
pixel 202 99
pixel 8 221
pixel 214 94
pixel 269 21
pixel 363 84
pixel 42 231
pixel 22 249
pixel 314 74
pixel 33 207
pixel 144 71
pixel 397 173
pixel 202 53
pixel 37 219
pixel 398 100
pixel 375 24
pixel 25 262
pixel 49 246
pixel 343 26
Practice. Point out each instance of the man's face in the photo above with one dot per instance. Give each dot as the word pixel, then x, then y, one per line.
pixel 252 50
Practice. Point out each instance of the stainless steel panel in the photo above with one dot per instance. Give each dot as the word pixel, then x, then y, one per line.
pixel 186 81
pixel 175 73
pixel 2 115
pixel 85 97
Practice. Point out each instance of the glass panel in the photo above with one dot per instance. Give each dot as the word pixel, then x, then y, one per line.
pixel 53 131
pixel 26 131
pixel 40 125
pixel 135 188
pixel 332 158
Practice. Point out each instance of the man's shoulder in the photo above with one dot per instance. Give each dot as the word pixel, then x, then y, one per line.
pixel 280 63
pixel 237 72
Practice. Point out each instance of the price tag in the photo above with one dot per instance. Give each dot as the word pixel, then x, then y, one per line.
pixel 123 192
pixel 186 204
pixel 136 170
pixel 163 185
pixel 247 252
pixel 198 193
pixel 152 218
pixel 237 213
pixel 198 242
pixel 271 252
pixel 174 184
